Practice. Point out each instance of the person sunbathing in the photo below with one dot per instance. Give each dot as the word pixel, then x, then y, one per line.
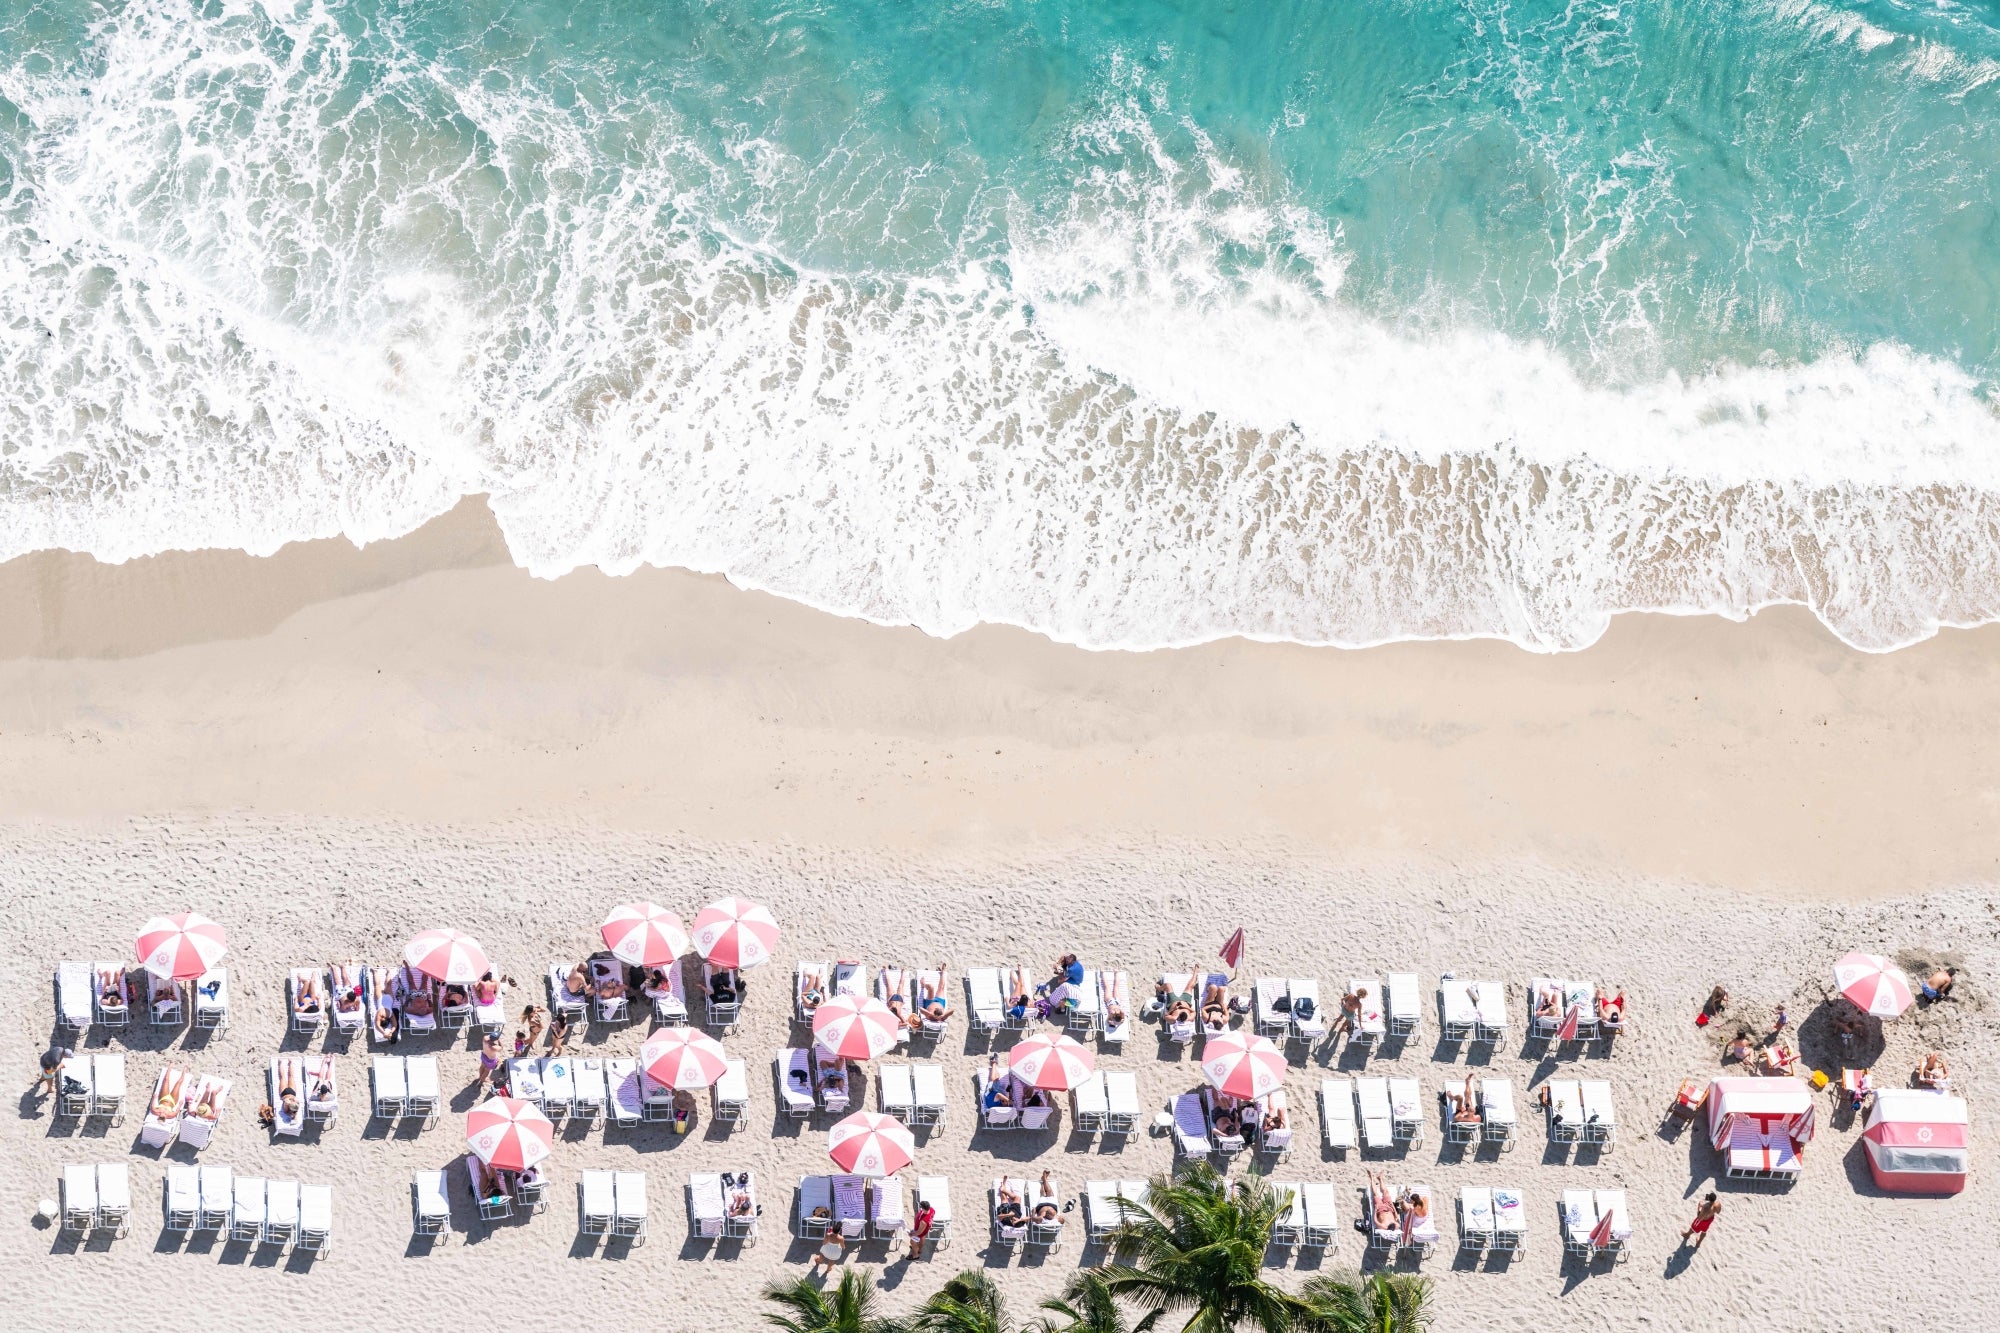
pixel 658 987
pixel 385 1023
pixel 210 1104
pixel 812 991
pixel 1415 1208
pixel 1274 1119
pixel 1464 1105
pixel 577 983
pixel 740 1202
pixel 308 994
pixel 490 1185
pixel 1225 1122
pixel 904 1018
pixel 1933 1072
pixel 419 1002
pixel 1215 1007
pixel 111 988
pixel 1548 1002
pixel 1018 1002
pixel 456 996
pixel 486 990
pixel 998 1092
pixel 723 987
pixel 1382 1204
pixel 611 986
pixel 1611 1010
pixel 288 1092
pixel 930 999
pixel 167 1101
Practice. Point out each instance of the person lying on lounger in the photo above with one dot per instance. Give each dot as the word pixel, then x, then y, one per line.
pixel 1215 1007
pixel 207 1108
pixel 657 986
pixel 724 987
pixel 1548 1002
pixel 308 995
pixel 1464 1106
pixel 385 1023
pixel 486 990
pixel 419 1002
pixel 456 996
pixel 111 987
pixel 1382 1204
pixel 812 991
pixel 288 1092
pixel 611 987
pixel 1611 1010
pixel 1274 1118
pixel 577 984
pixel 931 1003
pixel 1413 1209
pixel 1932 1071
pixel 999 1091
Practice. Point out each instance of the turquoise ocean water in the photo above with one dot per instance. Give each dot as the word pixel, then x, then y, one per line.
pixel 1135 323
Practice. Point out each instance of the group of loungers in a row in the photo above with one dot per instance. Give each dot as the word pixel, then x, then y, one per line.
pixel 1389 1114
pixel 246 1209
pixel 104 994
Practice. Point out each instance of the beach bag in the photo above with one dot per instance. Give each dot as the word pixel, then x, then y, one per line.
pixel 1303 1010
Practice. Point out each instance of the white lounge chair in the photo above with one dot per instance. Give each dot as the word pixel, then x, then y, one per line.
pixel 1088 1105
pixel 379 995
pixel 561 1001
pixel 1103 1215
pixel 1182 1030
pixel 1336 1113
pixel 390 1078
pixel 1308 1015
pixel 219 1197
pixel 1228 1142
pixel 742 1226
pixel 1288 1228
pixel 163 1001
pixel 1489 1001
pixel 596 1202
pixel 107 1087
pixel 1191 1127
pixel 812 985
pixel 347 995
pixel 288 1071
pixel 1457 1015
pixel 628 1189
pixel 1276 1143
pixel 281 1211
pixel 322 1089
pixel 425 1088
pixel 1046 1235
pixel 705 1205
pixel 982 994
pixel 936 1191
pixel 833 1082
pixel 181 1199
pixel 411 983
pixel 1565 1111
pixel 492 1015
pixel 893 983
pixel 930 981
pixel 430 1209
pixel 1475 1218
pixel 211 998
pixel 157 1130
pixel 591 1091
pixel 656 1101
pixel 609 1008
pixel 74 1003
pixel 1510 1221
pixel 1611 1203
pixel 1600 1119
pixel 196 1130
pixel 724 1014
pixel 730 1096
pixel 1578 1211
pixel 1322 1214
pixel 1114 990
pixel 79 1198
pixel 1086 1005
pixel 494 1204
pixel 76 1087
pixel 1496 1111
pixel 625 1096
pixel 246 1209
pixel 850 1205
pixel 1006 1235
pixel 1370 1025
pixel 1121 1101
pixel 112 991
pixel 927 1092
pixel 558 1087
pixel 114 1197
pixel 885 1208
pixel 670 1001
pixel 996 1116
pixel 307 993
pixel 1371 1099
pixel 793 1070
pixel 1404 1006
pixel 895 1091
pixel 1272 1006
pixel 1406 1110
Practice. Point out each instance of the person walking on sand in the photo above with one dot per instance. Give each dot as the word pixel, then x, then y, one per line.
pixel 1779 1023
pixel 489 1062
pixel 1704 1218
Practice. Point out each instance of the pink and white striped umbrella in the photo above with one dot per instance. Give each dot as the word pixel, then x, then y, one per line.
pixel 1873 982
pixel 858 1027
pixel 866 1144
pixel 644 935
pixel 508 1134
pixel 447 956
pixel 1051 1060
pixel 1242 1065
pixel 735 933
pixel 180 948
pixel 683 1057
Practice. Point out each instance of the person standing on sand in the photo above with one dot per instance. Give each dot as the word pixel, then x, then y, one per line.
pixel 1704 1218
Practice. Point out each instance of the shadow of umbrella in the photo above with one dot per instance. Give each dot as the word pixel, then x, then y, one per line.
pixel 1836 1035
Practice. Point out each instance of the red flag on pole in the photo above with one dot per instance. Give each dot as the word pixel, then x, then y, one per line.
pixel 1232 949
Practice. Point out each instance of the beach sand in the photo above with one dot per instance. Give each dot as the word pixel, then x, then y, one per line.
pixel 329 749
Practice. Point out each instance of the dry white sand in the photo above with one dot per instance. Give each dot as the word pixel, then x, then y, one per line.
pixel 330 750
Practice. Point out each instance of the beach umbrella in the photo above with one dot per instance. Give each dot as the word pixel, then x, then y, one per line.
pixel 508 1134
pixel 856 1027
pixel 735 933
pixel 683 1057
pixel 1874 983
pixel 1600 1235
pixel 180 948
pixel 447 956
pixel 1232 949
pixel 1571 1019
pixel 1242 1065
pixel 644 935
pixel 866 1144
pixel 1051 1060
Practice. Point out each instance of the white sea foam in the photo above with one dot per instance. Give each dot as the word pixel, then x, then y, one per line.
pixel 239 323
